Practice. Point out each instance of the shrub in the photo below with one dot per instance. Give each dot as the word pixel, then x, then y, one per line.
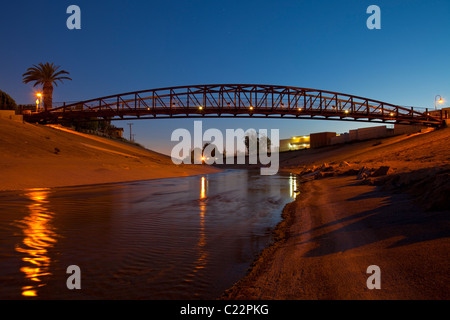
pixel 6 102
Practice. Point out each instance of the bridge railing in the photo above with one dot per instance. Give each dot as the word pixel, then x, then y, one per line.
pixel 250 100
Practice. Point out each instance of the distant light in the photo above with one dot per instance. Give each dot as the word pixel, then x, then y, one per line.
pixel 299 109
pixel 346 111
pixel 392 114
pixel 440 100
pixel 39 94
pixel 251 108
pixel 200 108
pixel 203 158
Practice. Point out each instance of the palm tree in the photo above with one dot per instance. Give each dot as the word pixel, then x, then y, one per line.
pixel 45 74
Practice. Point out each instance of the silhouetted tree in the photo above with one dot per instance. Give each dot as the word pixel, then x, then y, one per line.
pixel 46 75
pixel 255 138
pixel 6 102
pixel 212 147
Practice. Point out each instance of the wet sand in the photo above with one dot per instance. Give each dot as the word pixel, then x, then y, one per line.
pixel 335 230
pixel 339 226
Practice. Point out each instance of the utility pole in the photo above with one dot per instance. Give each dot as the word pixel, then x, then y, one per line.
pixel 131 135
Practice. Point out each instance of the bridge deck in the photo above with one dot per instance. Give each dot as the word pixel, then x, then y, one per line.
pixel 236 100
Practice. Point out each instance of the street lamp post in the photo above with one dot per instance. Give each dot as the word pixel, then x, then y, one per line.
pixel 38 101
pixel 435 101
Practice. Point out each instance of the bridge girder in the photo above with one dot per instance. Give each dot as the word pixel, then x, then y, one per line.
pixel 235 100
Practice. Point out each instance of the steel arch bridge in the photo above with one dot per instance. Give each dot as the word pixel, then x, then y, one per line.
pixel 236 100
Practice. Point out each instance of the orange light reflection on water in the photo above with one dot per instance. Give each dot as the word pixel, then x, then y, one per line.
pixel 203 189
pixel 293 186
pixel 39 237
pixel 201 261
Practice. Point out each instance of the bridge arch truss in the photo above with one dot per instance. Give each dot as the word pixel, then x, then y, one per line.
pixel 236 100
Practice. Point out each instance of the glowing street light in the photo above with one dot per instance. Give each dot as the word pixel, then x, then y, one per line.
pixel 435 101
pixel 39 100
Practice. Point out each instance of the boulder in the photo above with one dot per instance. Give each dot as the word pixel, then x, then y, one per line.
pixel 382 171
pixel 350 172
pixel 310 174
pixel 328 174
pixel 364 173
pixel 325 167
pixel 344 164
pixel 367 181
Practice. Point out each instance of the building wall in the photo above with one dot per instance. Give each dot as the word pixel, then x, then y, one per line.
pixel 444 112
pixel 372 133
pixel 11 115
pixel 353 135
pixel 407 129
pixel 294 143
pixel 369 133
pixel 339 139
pixel 321 139
pixel 362 134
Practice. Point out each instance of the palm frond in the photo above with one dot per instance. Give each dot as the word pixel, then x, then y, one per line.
pixel 44 73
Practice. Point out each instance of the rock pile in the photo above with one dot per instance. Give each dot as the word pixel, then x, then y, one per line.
pixel 365 174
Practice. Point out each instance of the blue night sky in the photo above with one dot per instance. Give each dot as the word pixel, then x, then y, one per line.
pixel 136 45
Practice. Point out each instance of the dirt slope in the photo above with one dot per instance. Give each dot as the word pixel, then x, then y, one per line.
pixel 34 156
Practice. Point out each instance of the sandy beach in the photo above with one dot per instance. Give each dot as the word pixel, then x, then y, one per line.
pixel 346 218
pixel 35 156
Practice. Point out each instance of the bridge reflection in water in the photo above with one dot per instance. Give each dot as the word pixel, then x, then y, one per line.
pixel 39 237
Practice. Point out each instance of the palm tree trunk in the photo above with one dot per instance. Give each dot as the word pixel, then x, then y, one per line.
pixel 48 96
